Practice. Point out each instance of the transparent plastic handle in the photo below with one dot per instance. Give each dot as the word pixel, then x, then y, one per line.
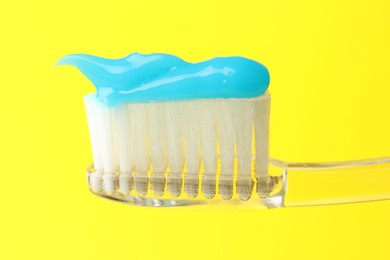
pixel 305 184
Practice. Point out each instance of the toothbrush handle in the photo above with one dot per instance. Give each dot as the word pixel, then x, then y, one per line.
pixel 330 183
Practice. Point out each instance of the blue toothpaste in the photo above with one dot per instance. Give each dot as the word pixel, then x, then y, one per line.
pixel 140 78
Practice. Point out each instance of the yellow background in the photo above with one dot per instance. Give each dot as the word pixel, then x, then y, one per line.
pixel 329 64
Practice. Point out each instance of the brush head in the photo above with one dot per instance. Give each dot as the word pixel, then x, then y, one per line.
pixel 208 149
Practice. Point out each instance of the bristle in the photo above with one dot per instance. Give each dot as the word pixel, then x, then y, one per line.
pixel 90 106
pixel 153 146
pixel 191 122
pixel 107 145
pixel 226 139
pixel 175 147
pixel 208 141
pixel 243 124
pixel 261 123
pixel 137 113
pixel 158 146
pixel 124 147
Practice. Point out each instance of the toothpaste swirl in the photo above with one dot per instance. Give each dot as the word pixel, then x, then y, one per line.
pixel 140 78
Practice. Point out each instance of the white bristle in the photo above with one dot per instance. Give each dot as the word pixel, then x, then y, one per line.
pixel 141 150
pixel 173 140
pixel 261 121
pixel 124 147
pixel 243 124
pixel 175 147
pixel 158 146
pixel 90 107
pixel 226 139
pixel 208 140
pixel 191 122
pixel 107 145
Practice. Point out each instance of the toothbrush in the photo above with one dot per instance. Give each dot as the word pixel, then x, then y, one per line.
pixel 165 132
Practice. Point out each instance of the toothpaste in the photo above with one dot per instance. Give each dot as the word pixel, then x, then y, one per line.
pixel 143 78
